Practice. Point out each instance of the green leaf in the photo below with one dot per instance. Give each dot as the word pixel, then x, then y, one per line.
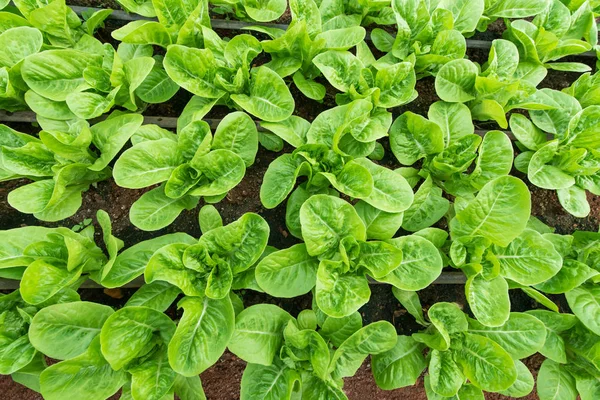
pixel 413 137
pixel 55 74
pixel 488 299
pixel 555 382
pixel 146 163
pixel 445 376
pixel 455 82
pixel 339 294
pixel 337 330
pixel 524 383
pixel 526 132
pixel 585 303
pixel 495 158
pixel 574 200
pixel 287 273
pixel 237 132
pixel 43 280
pixel 428 207
pixel 258 333
pixel 132 261
pixel 341 68
pixel 400 366
pixel 499 212
pixel 86 376
pixel 545 175
pixel 193 70
pixel 454 119
pixel 521 335
pixel 466 13
pixel 269 97
pixel 111 135
pixel 154 210
pixel 375 338
pixel 421 263
pixel 167 264
pixel 209 218
pixel 326 220
pixel 18 43
pixel 272 382
pixel 158 295
pixel 380 225
pixel 410 301
pixel 397 84
pixel 485 363
pixel 279 179
pixel 391 192
pixel 241 243
pixel 572 274
pixel 529 259
pixel 143 32
pixel 128 333
pixel 64 331
pixel 311 89
pixel 189 388
pixel 202 334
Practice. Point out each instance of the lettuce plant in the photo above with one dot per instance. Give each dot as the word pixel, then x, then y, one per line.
pixel 464 358
pixel 430 34
pixel 78 77
pixel 216 70
pixel 48 260
pixel 331 152
pixel 262 11
pixel 18 356
pixel 504 83
pixel 571 365
pixel 62 163
pixel 205 273
pixel 102 351
pixel 24 33
pixel 336 259
pixel 560 149
pixel 562 29
pixel 192 164
pixel 292 51
pixel 447 146
pixel 295 358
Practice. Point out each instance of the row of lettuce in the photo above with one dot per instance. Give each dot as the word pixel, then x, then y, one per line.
pixel 142 351
pixel 441 154
pixel 58 69
pixel 54 66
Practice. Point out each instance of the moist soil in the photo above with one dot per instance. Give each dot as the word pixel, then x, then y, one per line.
pixel 222 381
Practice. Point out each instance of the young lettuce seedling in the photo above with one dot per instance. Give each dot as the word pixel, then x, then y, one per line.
pixel 331 152
pixel 193 164
pixel 571 365
pixel 569 162
pixel 336 259
pixel 189 14
pixel 447 146
pixel 49 260
pixel 62 163
pixel 102 351
pixel 504 83
pixel 293 358
pixel 17 354
pixel 562 29
pixel 464 357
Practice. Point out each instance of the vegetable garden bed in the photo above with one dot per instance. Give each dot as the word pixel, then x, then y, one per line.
pixel 441 292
